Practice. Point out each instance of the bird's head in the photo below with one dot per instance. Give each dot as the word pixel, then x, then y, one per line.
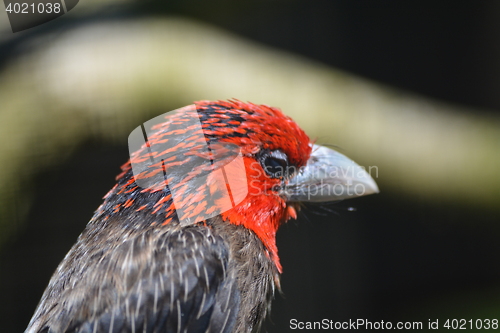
pixel 248 163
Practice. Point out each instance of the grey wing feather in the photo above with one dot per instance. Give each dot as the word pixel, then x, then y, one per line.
pixel 170 282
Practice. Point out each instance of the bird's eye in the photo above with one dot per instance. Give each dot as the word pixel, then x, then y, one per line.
pixel 275 163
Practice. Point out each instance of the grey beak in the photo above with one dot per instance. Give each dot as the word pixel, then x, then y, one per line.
pixel 328 176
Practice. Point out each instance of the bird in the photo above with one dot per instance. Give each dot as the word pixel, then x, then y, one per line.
pixel 186 239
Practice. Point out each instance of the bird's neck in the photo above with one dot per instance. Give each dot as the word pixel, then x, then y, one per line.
pixel 262 215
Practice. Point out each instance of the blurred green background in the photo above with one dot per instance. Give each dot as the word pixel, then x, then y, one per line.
pixel 411 88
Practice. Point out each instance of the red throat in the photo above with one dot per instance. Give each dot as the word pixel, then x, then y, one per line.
pixel 262 211
pixel 263 225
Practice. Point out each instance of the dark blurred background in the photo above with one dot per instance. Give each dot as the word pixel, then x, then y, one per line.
pixel 397 256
